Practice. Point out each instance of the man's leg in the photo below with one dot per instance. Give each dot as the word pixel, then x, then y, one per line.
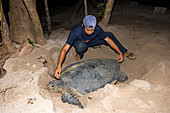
pixel 130 56
pixel 98 41
pixel 80 47
pixel 122 49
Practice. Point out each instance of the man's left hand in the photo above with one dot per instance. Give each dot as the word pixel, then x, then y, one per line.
pixel 120 58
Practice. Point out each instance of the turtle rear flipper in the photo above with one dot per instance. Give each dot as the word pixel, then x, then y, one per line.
pixel 71 99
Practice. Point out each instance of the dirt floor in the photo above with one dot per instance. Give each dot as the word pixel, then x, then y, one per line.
pixel 24 88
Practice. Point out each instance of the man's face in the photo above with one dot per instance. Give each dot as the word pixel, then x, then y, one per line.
pixel 88 31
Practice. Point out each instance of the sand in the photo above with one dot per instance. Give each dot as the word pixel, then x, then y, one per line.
pixel 24 87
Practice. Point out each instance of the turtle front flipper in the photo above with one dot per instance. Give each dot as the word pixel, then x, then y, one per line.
pixel 71 99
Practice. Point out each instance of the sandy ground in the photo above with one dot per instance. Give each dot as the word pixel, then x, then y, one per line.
pixel 23 89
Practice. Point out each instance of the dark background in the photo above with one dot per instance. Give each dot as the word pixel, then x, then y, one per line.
pixel 64 4
pixel 69 3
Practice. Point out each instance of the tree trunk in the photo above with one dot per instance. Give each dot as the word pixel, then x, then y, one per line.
pixel 85 7
pixel 31 7
pixel 21 26
pixel 76 9
pixel 47 17
pixel 105 21
pixel 24 24
pixel 5 36
pixel 6 46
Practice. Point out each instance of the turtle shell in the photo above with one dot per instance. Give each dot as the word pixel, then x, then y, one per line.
pixel 90 75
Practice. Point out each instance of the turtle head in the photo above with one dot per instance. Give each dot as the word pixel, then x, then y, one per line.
pixel 56 85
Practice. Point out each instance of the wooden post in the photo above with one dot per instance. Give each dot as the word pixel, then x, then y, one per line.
pixel 105 21
pixel 76 9
pixel 85 7
pixel 47 17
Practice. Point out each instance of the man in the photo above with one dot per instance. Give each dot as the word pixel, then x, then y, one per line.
pixel 89 34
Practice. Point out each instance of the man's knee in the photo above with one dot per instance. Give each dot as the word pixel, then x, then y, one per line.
pixel 80 46
pixel 110 35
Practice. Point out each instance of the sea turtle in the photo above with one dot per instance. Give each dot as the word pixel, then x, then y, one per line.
pixel 86 76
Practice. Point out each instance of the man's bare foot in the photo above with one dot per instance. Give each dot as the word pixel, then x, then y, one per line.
pixel 130 56
pixel 77 57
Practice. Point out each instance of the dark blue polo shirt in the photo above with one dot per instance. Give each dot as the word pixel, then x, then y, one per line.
pixel 78 33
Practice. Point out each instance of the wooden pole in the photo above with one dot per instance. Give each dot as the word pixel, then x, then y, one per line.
pixel 85 7
pixel 47 17
pixel 76 9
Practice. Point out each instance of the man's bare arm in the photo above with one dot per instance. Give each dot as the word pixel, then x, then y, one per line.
pixel 114 46
pixel 60 60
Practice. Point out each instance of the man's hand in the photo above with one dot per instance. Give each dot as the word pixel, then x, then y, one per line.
pixel 57 72
pixel 61 58
pixel 120 58
pixel 114 46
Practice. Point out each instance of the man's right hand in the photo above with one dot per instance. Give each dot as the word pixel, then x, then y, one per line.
pixel 57 72
pixel 61 58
